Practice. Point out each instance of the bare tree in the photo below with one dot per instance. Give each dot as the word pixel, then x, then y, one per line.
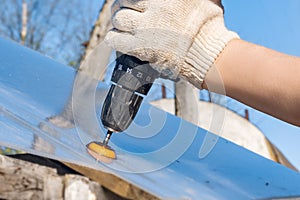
pixel 93 60
pixel 24 21
pixel 55 28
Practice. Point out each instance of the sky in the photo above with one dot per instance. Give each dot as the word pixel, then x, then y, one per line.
pixel 276 25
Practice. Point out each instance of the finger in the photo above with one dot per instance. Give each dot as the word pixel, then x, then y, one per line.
pixel 120 41
pixel 137 5
pixel 127 20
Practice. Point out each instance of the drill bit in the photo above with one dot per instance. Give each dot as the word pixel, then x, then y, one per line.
pixel 107 138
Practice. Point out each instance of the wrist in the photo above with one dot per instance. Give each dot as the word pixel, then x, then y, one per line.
pixel 206 48
pixel 220 75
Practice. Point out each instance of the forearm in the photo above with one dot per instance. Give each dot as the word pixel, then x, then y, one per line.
pixel 264 79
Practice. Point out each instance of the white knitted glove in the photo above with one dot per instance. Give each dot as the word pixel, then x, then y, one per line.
pixel 177 37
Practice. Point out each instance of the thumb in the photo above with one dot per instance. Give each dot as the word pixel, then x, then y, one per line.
pixel 120 41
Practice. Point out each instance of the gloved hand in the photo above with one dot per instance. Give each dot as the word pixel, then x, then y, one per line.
pixel 178 37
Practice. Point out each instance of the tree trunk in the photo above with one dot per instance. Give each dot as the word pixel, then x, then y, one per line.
pixel 24 22
pixel 98 59
pixel 92 67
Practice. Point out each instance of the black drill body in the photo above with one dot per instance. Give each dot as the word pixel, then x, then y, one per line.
pixel 131 80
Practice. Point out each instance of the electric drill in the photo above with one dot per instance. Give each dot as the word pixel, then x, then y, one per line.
pixel 131 81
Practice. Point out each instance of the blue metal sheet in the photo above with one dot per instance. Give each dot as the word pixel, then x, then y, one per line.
pixel 159 153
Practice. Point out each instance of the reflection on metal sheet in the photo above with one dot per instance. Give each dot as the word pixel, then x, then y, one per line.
pixel 36 116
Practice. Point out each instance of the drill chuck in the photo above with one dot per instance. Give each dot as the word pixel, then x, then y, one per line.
pixel 132 79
